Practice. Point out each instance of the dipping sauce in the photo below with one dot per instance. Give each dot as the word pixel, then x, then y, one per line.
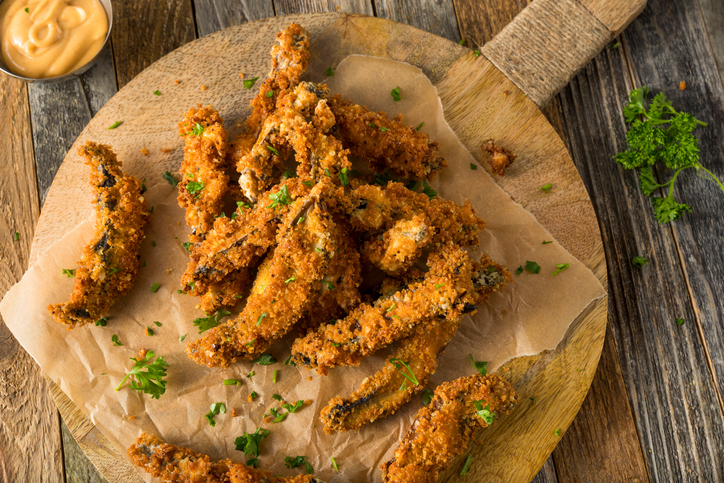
pixel 50 38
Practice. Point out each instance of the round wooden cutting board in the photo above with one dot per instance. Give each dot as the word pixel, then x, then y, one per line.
pixel 479 103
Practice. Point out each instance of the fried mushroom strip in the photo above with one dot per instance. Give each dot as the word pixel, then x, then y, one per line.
pixel 451 287
pixel 282 290
pixel 109 264
pixel 383 393
pixel 386 143
pixel 442 430
pixel 178 464
pixel 203 179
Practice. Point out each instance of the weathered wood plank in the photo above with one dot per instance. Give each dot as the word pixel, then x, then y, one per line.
pixel 30 440
pixel 146 30
pixel 78 468
pixel 547 474
pixel 286 7
pixel 714 19
pixel 214 15
pixel 672 395
pixel 434 16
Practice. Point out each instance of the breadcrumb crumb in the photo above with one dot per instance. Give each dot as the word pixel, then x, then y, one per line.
pixel 682 85
pixel 144 151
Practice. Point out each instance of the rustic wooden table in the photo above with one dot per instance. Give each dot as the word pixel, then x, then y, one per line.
pixel 654 411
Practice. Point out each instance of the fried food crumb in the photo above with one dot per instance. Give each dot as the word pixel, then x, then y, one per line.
pixel 142 353
pixel 167 150
pixel 241 74
pixel 177 82
pixel 131 418
pixel 168 271
pixel 682 85
pixel 144 151
pixel 147 331
pixel 309 378
pixel 505 93
pixel 249 398
pixel 502 158
pixel 203 88
pixel 234 413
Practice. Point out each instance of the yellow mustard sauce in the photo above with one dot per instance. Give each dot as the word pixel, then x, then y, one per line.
pixel 50 38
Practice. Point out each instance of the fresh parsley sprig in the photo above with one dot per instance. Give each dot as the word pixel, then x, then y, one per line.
pixel 661 134
pixel 149 381
pixel 206 323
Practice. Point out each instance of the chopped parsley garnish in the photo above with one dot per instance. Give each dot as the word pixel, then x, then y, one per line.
pixel 557 432
pixel 462 42
pixel 157 92
pixel 395 93
pixel 273 150
pixel 560 267
pixel 114 339
pixel 251 374
pixel 484 412
pixel 308 184
pixel 680 321
pixel 253 395
pixel 112 270
pixel 277 397
pixel 115 125
pixel 532 399
pixel 250 444
pixel 661 134
pixel 275 374
pixel 288 174
pixel 438 285
pixel 477 53
pixel 278 417
pixel 241 204
pixel 181 339
pixel 330 286
pixel 249 83
pixel 169 177
pixel 329 71
pixel 481 366
pixel 149 381
pixel 195 187
pixel 280 198
pixel 232 382
pixel 264 360
pixel 69 271
pixel 466 466
pixel 198 129
pixel 270 94
pixel 546 242
pixel 546 187
pixel 216 408
pixel 419 126
pixel 102 322
pixel 157 323
pixel 298 461
pixel 149 331
pixel 290 279
pixel 392 307
pixel 289 361
pixel 532 267
pixel 154 287
pixel 639 261
pixel 616 46
pixel 334 464
pixel 253 462
pixel 292 408
pixel 153 243
pixel 211 321
pixel 372 125
pixel 27 10
pixel 410 376
pixel 261 317
pixel 343 178
pixel 427 396
pixel 431 193
pixel 16 236
pixel 519 270
pixel 384 129
pixel 473 166
pixel 187 246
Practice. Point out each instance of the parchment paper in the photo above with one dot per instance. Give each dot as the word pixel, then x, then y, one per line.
pixel 530 315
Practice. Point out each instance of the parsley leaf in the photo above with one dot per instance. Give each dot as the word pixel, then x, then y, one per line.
pixel 519 270
pixel 250 444
pixel 154 287
pixel 115 125
pixel 16 236
pixel 216 408
pixel 69 271
pixel 484 412
pixel 273 150
pixel 114 339
pixel 195 187
pixel 431 193
pixel 149 381
pixel 395 93
pixel 546 187
pixel 169 177
pixel 211 321
pixel 329 71
pixel 427 396
pixel 481 366
pixel 410 376
pixel 249 83
pixel 187 246
pixel 343 178
pixel 557 432
pixel 466 466
pixel 157 92
pixel 280 198
pixel 261 317
pixel 292 408
pixel 473 166
pixel 293 462
pixel 419 126
pixel 680 321
pixel 102 322
pixel 661 134
pixel 270 94
pixel 532 267
pixel 264 360
pixel 198 129
pixel 334 464
pixel 639 261
pixel 560 267
pixel 253 462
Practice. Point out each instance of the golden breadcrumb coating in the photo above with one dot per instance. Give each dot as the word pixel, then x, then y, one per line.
pixel 109 264
pixel 501 159
pixel 441 431
pixel 203 178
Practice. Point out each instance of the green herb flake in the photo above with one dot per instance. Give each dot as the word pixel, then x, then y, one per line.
pixel 438 285
pixel 264 360
pixel 195 188
pixel 154 287
pixel 329 71
pixel 409 375
pixel 334 464
pixel 616 46
pixel 115 125
pixel 560 267
pixel 532 267
pixel 156 92
pixel 270 94
pixel 419 126
pixel 484 412
pixel 27 10
pixel 251 374
pixel 477 53
pixel 431 193
pixel 273 150
pixel 395 93
pixel 261 317
pixel 187 246
pixel 473 166
pixel 70 272
pixel 157 323
pixel 198 129
pixel 169 177
pixel 289 361
pixel 112 270
pixel 392 307
pixel 16 236
pixel 466 466
pixel 102 322
pixel 275 375
pixel 211 321
pixel 153 243
pixel 280 198
pixel 557 432
pixel 290 279
pixel 519 270
pixel 293 408
pixel 298 461
pixel 546 187
pixel 181 339
pixel 481 366
pixel 680 321
pixel 114 339
pixel 149 331
pixel 253 395
pixel 149 381
pixel 250 444
pixel 427 396
pixel 214 410
pixel 532 399
pixel 249 83
pixel 343 178
pixel 546 242
pixel 639 261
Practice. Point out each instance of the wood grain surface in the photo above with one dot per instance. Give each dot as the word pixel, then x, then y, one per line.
pixel 566 212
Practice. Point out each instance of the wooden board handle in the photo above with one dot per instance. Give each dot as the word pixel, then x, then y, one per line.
pixel 551 40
